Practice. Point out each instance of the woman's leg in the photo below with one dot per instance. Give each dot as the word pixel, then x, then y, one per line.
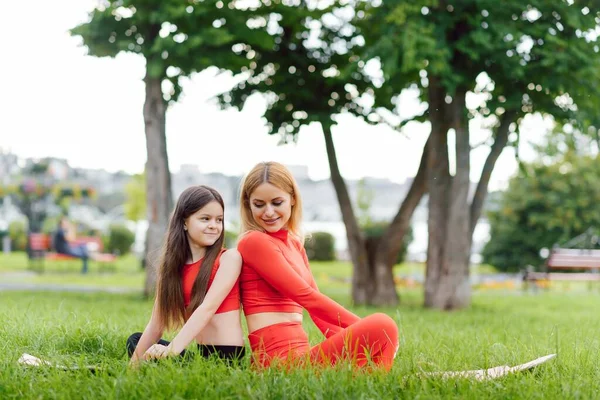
pixel 374 338
pixel 82 253
pixel 282 344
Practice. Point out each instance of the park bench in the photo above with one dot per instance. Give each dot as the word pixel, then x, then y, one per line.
pixel 40 245
pixel 568 265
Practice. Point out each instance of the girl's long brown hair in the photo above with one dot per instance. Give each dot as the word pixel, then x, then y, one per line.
pixel 176 251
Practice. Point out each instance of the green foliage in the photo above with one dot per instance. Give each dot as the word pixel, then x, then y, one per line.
pixel 120 239
pixel 176 38
pixel 364 200
pixel 546 205
pixel 320 247
pixel 230 239
pixel 304 80
pixel 17 231
pixel 377 229
pixel 135 198
pixel 538 56
pixel 50 225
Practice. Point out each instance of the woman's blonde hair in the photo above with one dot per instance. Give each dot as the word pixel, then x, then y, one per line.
pixel 279 176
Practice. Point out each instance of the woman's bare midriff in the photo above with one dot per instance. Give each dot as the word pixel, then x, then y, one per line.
pixel 224 329
pixel 261 320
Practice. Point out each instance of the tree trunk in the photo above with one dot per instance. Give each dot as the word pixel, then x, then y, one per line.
pixel 361 276
pixel 158 178
pixel 447 278
pixel 438 184
pixel 391 242
pixel 456 288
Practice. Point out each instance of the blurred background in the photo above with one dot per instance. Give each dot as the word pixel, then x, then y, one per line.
pixel 450 146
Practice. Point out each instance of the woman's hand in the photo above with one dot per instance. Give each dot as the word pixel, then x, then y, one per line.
pixel 158 351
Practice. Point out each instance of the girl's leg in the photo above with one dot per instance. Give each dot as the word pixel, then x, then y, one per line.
pixel 374 338
pixel 228 353
pixel 133 340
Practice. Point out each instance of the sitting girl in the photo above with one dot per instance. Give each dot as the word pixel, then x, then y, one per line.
pixel 197 285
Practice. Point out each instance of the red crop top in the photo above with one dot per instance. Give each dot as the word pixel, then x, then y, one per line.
pixel 276 277
pixel 189 274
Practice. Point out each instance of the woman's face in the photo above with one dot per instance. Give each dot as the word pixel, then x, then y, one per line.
pixel 271 207
pixel 205 225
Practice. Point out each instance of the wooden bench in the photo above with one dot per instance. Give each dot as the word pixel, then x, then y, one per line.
pixel 40 245
pixel 576 265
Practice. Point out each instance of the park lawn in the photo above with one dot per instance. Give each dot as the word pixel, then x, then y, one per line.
pixel 499 329
pixel 14 267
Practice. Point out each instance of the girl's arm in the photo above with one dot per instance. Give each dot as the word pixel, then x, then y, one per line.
pixel 226 277
pixel 151 335
pixel 268 261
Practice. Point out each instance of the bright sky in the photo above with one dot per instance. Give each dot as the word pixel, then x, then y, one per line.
pixel 59 102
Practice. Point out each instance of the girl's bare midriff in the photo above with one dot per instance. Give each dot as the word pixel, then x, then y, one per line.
pixel 262 320
pixel 224 329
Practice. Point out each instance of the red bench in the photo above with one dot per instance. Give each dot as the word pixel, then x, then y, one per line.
pixel 576 265
pixel 40 245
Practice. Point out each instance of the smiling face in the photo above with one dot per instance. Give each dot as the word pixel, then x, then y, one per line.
pixel 205 226
pixel 271 207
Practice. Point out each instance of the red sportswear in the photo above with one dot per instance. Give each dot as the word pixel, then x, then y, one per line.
pixel 276 277
pixel 189 274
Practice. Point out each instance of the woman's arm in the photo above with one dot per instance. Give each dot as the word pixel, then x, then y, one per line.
pixel 151 335
pixel 326 328
pixel 226 277
pixel 259 252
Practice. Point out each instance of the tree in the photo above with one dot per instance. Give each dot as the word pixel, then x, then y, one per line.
pixel 176 40
pixel 37 191
pixel 544 205
pixel 512 59
pixel 311 72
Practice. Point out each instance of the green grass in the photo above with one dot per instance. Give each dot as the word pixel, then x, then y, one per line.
pixel 14 267
pixel 128 274
pixel 496 330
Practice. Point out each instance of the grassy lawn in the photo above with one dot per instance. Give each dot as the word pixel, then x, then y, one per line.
pixel 128 274
pixel 14 267
pixel 497 330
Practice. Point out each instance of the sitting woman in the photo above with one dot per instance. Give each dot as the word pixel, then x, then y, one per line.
pixel 197 285
pixel 63 237
pixel 276 283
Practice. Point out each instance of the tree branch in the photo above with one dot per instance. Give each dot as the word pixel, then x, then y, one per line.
pixel 482 186
pixel 392 239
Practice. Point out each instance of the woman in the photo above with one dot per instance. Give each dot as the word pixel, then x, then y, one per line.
pixel 64 234
pixel 197 285
pixel 276 284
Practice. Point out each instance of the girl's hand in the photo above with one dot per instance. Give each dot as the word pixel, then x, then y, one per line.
pixel 158 351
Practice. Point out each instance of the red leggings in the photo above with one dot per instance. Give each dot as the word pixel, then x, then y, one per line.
pixel 374 338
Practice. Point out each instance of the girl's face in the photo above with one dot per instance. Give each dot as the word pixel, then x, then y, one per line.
pixel 271 207
pixel 204 227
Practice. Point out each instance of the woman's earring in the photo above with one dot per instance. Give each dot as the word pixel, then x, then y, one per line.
pixel 185 228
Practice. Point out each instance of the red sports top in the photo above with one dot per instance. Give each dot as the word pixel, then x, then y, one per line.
pixel 189 274
pixel 276 277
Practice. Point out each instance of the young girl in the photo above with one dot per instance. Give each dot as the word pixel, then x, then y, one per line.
pixel 197 285
pixel 276 284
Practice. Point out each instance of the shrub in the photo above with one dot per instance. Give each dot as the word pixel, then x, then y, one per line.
pixel 17 231
pixel 375 230
pixel 120 239
pixel 320 247
pixel 230 239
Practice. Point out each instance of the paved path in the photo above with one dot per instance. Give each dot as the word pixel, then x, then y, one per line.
pixel 63 288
